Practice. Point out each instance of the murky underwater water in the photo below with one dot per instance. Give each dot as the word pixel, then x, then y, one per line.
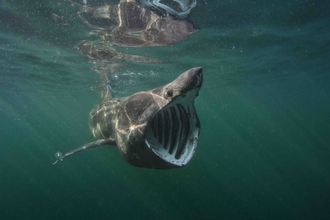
pixel 263 151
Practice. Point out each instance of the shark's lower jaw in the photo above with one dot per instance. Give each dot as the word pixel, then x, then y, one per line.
pixel 173 132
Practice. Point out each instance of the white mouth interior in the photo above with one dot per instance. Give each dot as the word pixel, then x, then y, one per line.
pixel 173 133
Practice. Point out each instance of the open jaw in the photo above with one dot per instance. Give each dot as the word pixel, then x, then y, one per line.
pixel 173 132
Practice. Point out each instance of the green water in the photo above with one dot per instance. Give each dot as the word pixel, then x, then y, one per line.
pixel 264 107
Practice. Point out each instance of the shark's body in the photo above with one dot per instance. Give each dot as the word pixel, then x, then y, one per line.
pixel 158 128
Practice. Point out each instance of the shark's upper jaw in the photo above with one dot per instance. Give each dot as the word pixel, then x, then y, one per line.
pixel 173 132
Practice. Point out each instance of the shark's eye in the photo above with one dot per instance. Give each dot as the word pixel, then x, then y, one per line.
pixel 169 93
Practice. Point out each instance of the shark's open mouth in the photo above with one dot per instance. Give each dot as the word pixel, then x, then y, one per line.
pixel 173 132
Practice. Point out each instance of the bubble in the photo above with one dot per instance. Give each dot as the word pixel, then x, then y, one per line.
pixel 58 155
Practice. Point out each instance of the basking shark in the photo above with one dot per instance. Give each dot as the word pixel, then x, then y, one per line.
pixel 156 129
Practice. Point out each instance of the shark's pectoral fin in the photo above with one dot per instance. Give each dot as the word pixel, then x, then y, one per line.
pixel 59 156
